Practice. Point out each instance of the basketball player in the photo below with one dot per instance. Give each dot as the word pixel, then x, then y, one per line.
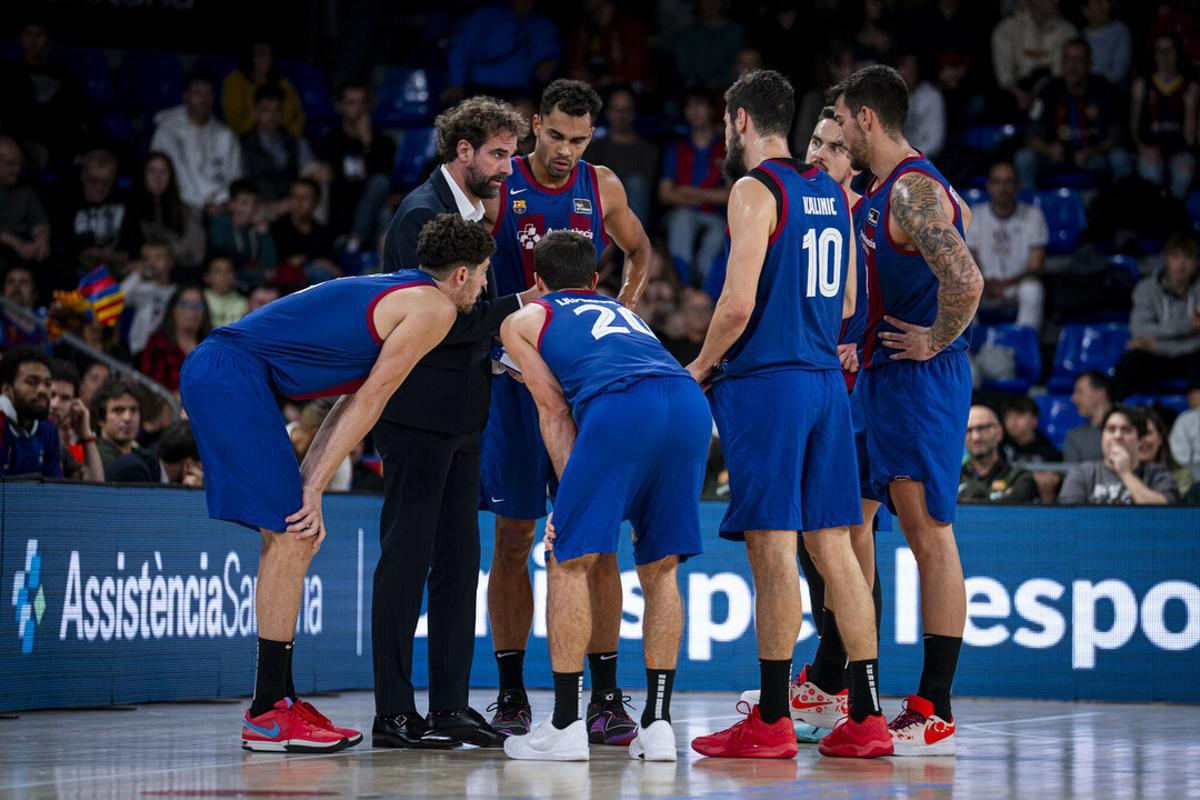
pixel 915 387
pixel 550 189
pixel 635 429
pixel 358 337
pixel 781 408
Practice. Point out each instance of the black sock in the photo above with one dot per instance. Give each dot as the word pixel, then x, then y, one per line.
pixel 658 695
pixel 937 676
pixel 271 681
pixel 864 689
pixel 511 664
pixel 291 683
pixel 774 677
pixel 603 667
pixel 829 664
pixel 568 689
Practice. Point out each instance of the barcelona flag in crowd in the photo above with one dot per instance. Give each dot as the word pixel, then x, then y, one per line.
pixel 103 294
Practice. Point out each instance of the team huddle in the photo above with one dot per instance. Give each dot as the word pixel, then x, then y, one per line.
pixel 834 368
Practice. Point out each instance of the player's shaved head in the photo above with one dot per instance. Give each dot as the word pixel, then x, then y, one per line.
pixel 565 260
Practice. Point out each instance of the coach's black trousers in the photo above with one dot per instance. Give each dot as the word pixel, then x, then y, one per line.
pixel 428 531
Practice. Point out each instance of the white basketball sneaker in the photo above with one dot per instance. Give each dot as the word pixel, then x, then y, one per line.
pixel 809 705
pixel 548 743
pixel 655 743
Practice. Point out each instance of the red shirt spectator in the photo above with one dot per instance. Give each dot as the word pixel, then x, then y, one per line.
pixel 184 326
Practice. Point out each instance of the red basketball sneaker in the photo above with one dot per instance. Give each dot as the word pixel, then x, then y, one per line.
pixel 867 739
pixel 308 709
pixel 750 738
pixel 284 729
pixel 917 731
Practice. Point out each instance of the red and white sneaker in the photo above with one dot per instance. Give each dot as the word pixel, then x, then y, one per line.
pixel 867 739
pixel 307 708
pixel 917 731
pixel 809 704
pixel 284 729
pixel 750 738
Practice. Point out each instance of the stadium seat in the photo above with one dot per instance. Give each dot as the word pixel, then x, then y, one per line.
pixel 1057 415
pixel 414 153
pixel 119 128
pixel 1176 402
pixel 1065 218
pixel 360 262
pixel 986 138
pixel 1193 208
pixel 1027 357
pixel 309 84
pixel 214 66
pixel 974 197
pixel 1127 263
pixel 1079 181
pixel 1086 347
pixel 405 98
pixel 89 66
pixel 149 81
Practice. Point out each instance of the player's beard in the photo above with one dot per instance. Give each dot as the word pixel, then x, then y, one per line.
pixel 859 157
pixel 482 186
pixel 735 160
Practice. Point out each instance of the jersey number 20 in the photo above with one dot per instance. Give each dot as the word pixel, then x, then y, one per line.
pixel 824 267
pixel 603 325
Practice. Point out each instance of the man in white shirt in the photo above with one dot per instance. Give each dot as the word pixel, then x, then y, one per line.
pixel 206 155
pixel 1008 239
pixel 1185 434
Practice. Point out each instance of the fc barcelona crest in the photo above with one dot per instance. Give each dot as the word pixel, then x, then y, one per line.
pixel 518 206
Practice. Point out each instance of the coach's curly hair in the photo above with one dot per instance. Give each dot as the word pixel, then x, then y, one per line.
pixel 476 119
pixel 448 242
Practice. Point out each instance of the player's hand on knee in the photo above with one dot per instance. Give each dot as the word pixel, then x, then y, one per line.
pixel 308 521
pixel 548 540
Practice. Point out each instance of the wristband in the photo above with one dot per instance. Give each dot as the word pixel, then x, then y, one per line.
pixel 88 440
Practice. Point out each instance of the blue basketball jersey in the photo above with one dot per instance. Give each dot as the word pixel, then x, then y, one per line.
pixel 528 211
pixel 322 340
pixel 899 281
pixel 593 344
pixel 855 326
pixel 797 318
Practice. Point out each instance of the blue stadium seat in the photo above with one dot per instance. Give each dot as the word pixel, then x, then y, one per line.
pixel 1057 415
pixel 1065 218
pixel 987 138
pixel 1023 341
pixel 406 98
pixel 1086 347
pixel 309 84
pixel 1079 181
pixel 149 81
pixel 118 127
pixel 1176 402
pixel 361 262
pixel 414 153
pixel 1128 264
pixel 973 196
pixel 1193 208
pixel 89 66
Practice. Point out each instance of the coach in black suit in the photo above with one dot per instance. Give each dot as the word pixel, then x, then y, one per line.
pixel 429 437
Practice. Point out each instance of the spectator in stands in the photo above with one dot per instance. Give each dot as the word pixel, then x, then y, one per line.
pixel 28 439
pixel 15 330
pixel 748 59
pixel 925 127
pixel 184 325
pixel 623 150
pixel 1008 239
pixel 174 459
pixel 1091 399
pixel 608 46
pixel 1027 47
pixel 781 35
pixel 205 153
pixel 242 235
pixel 868 24
pixel 256 69
pixel 694 191
pixel 272 157
pixel 117 415
pixel 1164 323
pixel 305 246
pixel 76 439
pixel 260 296
pixel 1185 434
pixel 952 38
pixel 148 289
pixel 1075 124
pixel 1163 122
pixel 304 430
pixel 835 66
pixel 366 478
pixel 1117 477
pixel 95 375
pixel 156 213
pixel 357 164
pixel 705 51
pixel 226 305
pixel 660 300
pixel 1152 446
pixel 24 226
pixel 694 315
pixel 1024 443
pixel 1110 40
pixel 91 217
pixel 986 476
pixel 1182 19
pixel 502 49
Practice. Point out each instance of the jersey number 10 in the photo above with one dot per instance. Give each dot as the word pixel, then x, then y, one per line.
pixel 603 326
pixel 824 268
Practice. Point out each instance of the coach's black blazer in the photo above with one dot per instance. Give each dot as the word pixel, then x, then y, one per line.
pixel 449 389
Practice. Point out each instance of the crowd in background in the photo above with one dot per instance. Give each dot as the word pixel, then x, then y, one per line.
pixel 1070 127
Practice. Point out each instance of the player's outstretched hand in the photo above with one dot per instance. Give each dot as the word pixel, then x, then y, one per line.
pixel 848 355
pixel 911 342
pixel 308 521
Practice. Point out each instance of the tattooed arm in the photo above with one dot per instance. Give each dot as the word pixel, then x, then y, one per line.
pixel 921 210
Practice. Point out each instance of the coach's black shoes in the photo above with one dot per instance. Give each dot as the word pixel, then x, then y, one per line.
pixel 466 725
pixel 409 730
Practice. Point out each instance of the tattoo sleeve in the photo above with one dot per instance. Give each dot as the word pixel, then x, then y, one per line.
pixel 917 207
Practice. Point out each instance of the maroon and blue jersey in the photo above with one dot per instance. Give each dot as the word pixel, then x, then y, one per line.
pixel 322 340
pixel 797 318
pixel 593 344
pixel 528 211
pixel 899 281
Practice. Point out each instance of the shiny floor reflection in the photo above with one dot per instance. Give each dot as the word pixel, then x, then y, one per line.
pixel 1006 749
